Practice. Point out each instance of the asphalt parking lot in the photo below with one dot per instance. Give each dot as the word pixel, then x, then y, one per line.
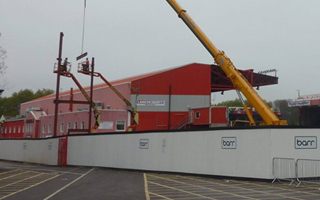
pixel 23 181
pixel 187 187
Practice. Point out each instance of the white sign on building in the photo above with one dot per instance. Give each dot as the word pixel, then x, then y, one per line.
pixel 298 102
pixel 106 125
pixel 151 102
pixel 144 143
pixel 305 142
pixel 229 142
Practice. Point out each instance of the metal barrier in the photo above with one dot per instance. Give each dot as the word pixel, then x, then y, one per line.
pixel 284 169
pixel 308 170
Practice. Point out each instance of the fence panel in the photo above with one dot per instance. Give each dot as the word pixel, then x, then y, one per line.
pixel 308 170
pixel 284 169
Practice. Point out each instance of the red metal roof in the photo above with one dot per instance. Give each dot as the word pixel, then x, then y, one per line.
pixel 219 81
pixel 115 82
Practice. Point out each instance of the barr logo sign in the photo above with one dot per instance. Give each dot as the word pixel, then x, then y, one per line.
pixel 305 142
pixel 144 144
pixel 229 142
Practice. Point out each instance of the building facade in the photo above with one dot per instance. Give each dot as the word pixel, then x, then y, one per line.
pixel 174 98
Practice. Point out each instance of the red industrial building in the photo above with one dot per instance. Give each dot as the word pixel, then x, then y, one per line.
pixel 175 98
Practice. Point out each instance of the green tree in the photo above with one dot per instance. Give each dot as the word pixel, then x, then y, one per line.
pixel 10 106
pixel 231 103
pixel 238 103
pixel 43 92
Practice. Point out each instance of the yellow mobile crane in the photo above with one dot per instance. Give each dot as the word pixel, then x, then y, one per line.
pixel 238 80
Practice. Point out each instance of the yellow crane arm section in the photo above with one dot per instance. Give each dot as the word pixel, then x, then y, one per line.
pixel 247 110
pixel 237 79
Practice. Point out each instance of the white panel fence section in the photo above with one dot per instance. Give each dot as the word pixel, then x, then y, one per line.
pixel 276 154
pixel 234 153
pixel 284 169
pixel 299 170
pixel 308 170
pixel 44 151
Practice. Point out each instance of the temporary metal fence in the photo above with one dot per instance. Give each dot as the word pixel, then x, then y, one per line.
pixel 284 169
pixel 308 170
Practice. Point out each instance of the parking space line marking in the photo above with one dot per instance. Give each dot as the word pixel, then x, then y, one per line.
pixel 30 186
pixel 280 188
pixel 6 172
pixel 52 170
pixel 184 191
pixel 250 189
pixel 159 195
pixel 21 180
pixel 66 186
pixel 221 191
pixel 24 172
pixel 146 188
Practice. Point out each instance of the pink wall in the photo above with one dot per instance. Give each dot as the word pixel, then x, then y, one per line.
pixel 101 94
pixel 79 120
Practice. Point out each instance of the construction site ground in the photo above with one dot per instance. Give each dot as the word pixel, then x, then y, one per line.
pixel 31 181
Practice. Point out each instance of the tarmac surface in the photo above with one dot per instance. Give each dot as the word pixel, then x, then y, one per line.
pixel 23 181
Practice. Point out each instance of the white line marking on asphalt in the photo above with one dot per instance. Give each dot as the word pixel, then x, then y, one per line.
pixel 183 191
pixel 30 186
pixel 72 182
pixel 146 188
pixel 6 172
pixel 12 183
pixel 198 186
pixel 243 188
pixel 159 195
pixel 53 170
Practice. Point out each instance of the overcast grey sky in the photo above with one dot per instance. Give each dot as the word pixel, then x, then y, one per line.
pixel 132 37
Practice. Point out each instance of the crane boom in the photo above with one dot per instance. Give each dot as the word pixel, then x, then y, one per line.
pixel 237 79
pixel 246 109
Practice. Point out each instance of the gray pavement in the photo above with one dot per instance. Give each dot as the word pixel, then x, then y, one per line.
pixel 19 181
pixel 22 181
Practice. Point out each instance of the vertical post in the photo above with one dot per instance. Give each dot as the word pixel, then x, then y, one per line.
pixel 56 102
pixel 91 94
pixel 169 108
pixel 71 100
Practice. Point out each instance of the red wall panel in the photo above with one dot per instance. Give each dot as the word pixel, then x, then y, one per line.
pixel 200 116
pixel 12 129
pixel 193 79
pixel 219 115
pixel 160 120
